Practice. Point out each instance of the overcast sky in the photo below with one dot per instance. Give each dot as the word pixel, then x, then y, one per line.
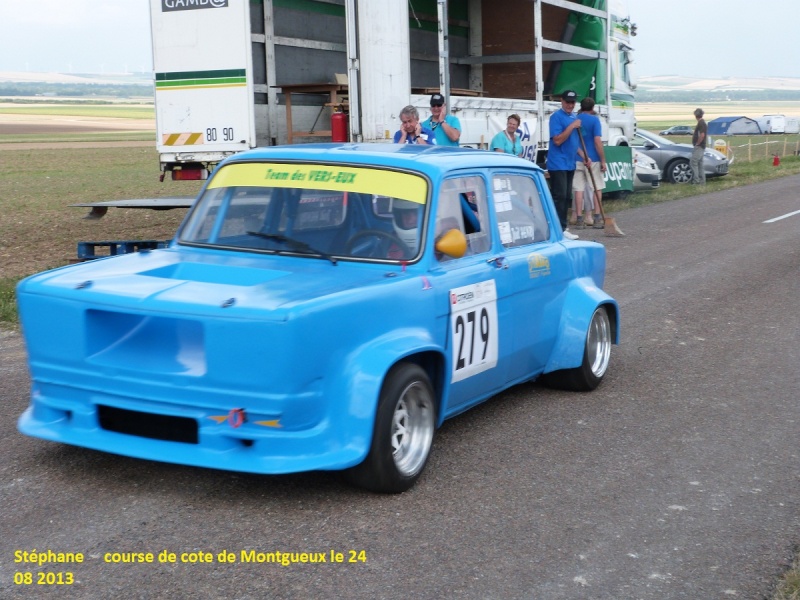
pixel 695 38
pixel 717 38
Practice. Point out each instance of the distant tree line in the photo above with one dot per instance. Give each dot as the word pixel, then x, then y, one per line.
pixel 716 95
pixel 80 90
pixel 139 90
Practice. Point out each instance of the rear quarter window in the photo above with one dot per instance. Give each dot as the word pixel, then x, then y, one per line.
pixel 521 218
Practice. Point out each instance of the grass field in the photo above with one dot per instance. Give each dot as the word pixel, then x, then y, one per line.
pixel 39 229
pixel 97 136
pixel 681 113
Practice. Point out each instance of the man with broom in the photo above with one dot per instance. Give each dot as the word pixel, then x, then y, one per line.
pixel 595 160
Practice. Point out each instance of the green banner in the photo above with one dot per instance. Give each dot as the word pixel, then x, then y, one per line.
pixel 619 169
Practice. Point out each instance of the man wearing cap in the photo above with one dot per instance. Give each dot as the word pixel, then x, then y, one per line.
pixel 564 144
pixel 446 128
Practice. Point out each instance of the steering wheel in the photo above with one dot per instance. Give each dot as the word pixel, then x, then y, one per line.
pixel 377 244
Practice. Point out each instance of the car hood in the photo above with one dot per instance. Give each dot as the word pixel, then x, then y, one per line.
pixel 196 282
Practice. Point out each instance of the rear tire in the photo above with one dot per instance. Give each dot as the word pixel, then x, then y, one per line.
pixel 596 356
pixel 403 433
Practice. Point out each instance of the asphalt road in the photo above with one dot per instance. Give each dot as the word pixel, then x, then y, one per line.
pixel 677 479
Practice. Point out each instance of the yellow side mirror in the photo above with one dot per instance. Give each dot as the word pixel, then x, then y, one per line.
pixel 453 243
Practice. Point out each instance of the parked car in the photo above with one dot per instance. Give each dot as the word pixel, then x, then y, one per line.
pixel 647 175
pixel 678 130
pixel 674 159
pixel 322 306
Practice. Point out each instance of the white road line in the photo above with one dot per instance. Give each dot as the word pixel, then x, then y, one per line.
pixel 786 216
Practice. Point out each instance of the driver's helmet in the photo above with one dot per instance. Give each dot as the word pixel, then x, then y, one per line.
pixel 407 219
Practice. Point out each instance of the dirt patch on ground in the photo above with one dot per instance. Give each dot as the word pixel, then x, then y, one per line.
pixel 13 124
pixel 67 145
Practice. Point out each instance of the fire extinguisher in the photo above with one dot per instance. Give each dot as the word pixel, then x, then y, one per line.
pixel 339 126
pixel 776 161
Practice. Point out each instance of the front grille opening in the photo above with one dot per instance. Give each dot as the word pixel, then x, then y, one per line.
pixel 148 425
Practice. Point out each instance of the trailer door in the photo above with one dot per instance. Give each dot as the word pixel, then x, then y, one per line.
pixel 203 79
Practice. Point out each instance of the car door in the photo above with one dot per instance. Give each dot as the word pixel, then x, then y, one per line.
pixel 472 295
pixel 651 149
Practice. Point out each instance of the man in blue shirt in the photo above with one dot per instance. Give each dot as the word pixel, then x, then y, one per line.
pixel 411 131
pixel 589 169
pixel 564 143
pixel 447 128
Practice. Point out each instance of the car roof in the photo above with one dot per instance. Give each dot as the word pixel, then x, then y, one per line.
pixel 432 160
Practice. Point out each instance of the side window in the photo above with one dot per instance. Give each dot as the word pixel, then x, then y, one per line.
pixel 463 206
pixel 520 215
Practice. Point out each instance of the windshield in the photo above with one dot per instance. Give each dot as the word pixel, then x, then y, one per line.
pixel 649 136
pixel 319 211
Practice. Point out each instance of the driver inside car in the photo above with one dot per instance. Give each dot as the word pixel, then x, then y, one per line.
pixel 406 218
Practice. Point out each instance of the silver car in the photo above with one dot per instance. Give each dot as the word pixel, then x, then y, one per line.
pixel 647 175
pixel 678 130
pixel 673 159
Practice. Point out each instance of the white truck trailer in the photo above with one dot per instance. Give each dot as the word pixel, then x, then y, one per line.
pixel 231 75
pixel 772 123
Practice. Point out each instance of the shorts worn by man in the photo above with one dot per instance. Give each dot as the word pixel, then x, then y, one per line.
pixel 699 138
pixel 564 143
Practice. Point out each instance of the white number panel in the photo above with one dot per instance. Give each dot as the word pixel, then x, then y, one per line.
pixel 473 323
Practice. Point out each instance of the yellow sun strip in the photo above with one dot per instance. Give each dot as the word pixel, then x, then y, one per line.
pixel 323 177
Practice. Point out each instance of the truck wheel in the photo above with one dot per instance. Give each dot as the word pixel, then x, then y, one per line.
pixel 403 433
pixel 596 356
pixel 679 171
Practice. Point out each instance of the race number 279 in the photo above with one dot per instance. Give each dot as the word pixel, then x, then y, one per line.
pixel 473 323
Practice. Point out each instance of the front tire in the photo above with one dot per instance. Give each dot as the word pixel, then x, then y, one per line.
pixel 403 433
pixel 679 171
pixel 596 357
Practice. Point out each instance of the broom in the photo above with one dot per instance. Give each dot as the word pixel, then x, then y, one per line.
pixel 609 224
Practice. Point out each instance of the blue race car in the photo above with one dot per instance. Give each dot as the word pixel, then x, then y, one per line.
pixel 321 307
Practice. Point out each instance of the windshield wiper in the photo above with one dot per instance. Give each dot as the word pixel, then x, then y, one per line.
pixel 293 244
